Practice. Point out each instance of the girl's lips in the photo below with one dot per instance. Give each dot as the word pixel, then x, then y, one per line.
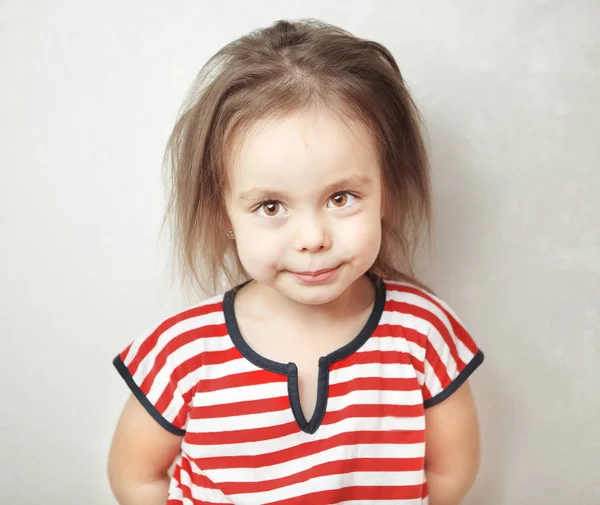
pixel 317 276
pixel 316 272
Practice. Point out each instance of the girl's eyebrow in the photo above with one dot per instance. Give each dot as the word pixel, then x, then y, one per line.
pixel 259 194
pixel 354 181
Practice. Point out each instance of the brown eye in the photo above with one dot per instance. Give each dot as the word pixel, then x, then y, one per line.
pixel 339 200
pixel 270 209
pixel 342 200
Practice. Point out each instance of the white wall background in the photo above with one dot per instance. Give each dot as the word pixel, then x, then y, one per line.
pixel 511 93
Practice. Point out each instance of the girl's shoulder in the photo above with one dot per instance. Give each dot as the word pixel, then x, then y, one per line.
pixel 409 295
pixel 428 320
pixel 193 328
pixel 207 313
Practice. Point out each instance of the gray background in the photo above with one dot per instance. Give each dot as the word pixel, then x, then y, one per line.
pixel 511 94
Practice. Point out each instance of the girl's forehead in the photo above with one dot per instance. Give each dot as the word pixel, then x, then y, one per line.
pixel 308 144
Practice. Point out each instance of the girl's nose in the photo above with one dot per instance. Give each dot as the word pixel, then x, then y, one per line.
pixel 312 235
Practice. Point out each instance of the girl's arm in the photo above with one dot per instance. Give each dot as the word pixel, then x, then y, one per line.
pixel 140 456
pixel 452 447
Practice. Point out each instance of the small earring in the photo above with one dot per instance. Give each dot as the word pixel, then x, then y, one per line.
pixel 230 234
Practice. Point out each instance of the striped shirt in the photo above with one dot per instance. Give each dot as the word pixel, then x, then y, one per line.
pixel 245 438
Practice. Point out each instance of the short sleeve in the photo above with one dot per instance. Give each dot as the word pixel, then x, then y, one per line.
pixel 158 367
pixel 451 354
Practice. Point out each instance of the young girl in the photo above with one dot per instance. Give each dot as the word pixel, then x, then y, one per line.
pixel 327 374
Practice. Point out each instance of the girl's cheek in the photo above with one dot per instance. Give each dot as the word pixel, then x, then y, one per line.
pixel 361 230
pixel 258 245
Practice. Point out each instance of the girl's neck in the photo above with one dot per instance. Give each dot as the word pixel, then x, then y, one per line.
pixel 355 299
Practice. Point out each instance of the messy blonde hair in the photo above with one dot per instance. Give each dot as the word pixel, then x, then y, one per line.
pixel 276 71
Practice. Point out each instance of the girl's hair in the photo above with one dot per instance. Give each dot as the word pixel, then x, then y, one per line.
pixel 275 71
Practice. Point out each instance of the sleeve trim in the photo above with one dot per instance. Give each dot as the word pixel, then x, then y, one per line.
pixel 138 393
pixel 457 382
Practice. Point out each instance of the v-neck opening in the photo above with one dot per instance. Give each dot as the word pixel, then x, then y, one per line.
pixel 290 369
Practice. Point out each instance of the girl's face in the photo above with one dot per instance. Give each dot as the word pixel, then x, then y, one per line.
pixel 305 204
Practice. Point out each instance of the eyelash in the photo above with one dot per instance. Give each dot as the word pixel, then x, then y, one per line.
pixel 337 193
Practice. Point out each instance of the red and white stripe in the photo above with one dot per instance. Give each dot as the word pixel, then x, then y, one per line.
pixel 242 443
